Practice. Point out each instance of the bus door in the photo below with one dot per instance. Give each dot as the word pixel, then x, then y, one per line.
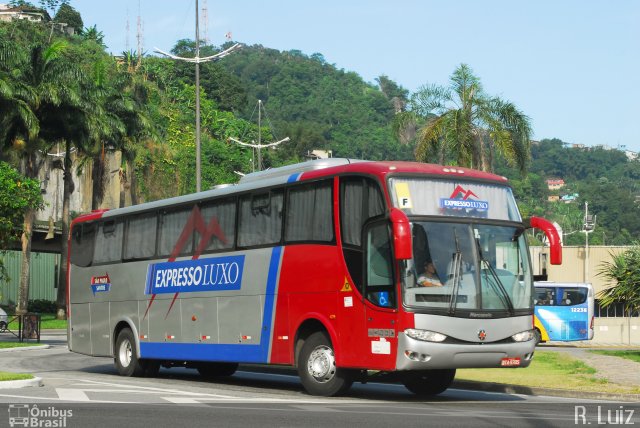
pixel 380 296
pixel 368 339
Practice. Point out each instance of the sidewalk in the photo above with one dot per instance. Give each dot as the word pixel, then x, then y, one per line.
pixel 616 370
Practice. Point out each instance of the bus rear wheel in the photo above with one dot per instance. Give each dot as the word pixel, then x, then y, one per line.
pixel 429 382
pixel 126 356
pixel 214 370
pixel 317 368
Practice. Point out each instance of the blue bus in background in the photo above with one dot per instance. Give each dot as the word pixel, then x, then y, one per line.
pixel 563 311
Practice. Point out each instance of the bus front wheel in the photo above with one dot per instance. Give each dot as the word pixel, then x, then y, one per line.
pixel 429 382
pixel 537 336
pixel 317 368
pixel 126 356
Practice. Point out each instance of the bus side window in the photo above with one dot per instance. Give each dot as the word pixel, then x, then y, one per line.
pixel 309 213
pixel 224 213
pixel 140 237
pixel 172 224
pixel 82 244
pixel 108 246
pixel 261 219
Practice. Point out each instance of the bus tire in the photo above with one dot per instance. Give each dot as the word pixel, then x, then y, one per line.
pixel 126 355
pixel 537 336
pixel 317 368
pixel 215 370
pixel 428 382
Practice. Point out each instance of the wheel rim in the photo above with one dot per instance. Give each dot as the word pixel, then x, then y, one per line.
pixel 321 364
pixel 125 353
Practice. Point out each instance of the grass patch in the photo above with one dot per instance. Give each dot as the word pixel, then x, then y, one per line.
pixel 14 376
pixel 629 355
pixel 48 322
pixel 548 370
pixel 6 345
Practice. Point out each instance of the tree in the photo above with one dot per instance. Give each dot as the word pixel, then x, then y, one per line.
pixel 53 5
pixel 18 194
pixel 129 104
pixel 623 271
pixel 92 33
pixel 463 125
pixel 38 86
pixel 68 15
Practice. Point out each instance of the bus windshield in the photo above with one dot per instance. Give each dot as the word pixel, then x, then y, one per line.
pixel 467 269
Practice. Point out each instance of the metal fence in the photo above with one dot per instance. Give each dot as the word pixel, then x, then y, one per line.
pixel 23 327
pixel 43 276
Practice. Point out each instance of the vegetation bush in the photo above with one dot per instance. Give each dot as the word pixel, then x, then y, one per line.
pixel 42 306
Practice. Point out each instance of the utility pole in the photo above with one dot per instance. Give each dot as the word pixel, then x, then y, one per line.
pixel 197 60
pixel 588 227
pixel 259 146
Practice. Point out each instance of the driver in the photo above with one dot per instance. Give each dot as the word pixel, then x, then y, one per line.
pixel 429 278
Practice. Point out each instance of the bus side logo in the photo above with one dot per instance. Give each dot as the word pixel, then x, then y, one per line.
pixel 100 284
pixel 210 274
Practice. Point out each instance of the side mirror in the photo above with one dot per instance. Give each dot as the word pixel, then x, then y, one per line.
pixel 401 229
pixel 555 246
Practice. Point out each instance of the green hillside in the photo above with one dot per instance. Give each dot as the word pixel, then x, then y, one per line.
pixel 144 107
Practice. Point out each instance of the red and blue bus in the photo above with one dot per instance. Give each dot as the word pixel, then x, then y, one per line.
pixel 563 311
pixel 315 266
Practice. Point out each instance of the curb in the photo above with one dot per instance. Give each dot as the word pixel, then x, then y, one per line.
pixel 13 384
pixel 25 348
pixel 528 390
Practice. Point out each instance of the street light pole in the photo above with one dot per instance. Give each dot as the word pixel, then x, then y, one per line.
pixel 198 172
pixel 589 226
pixel 197 60
pixel 586 252
pixel 259 146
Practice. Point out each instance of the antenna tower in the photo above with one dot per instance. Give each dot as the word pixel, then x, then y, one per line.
pixel 126 37
pixel 139 35
pixel 205 19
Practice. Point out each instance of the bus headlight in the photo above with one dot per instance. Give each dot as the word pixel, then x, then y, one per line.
pixel 425 335
pixel 523 336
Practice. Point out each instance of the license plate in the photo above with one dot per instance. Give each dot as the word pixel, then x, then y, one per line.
pixel 510 362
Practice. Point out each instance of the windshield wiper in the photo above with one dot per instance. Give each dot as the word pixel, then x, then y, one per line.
pixel 457 263
pixel 497 285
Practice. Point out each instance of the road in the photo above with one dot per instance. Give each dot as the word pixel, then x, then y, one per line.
pixel 82 391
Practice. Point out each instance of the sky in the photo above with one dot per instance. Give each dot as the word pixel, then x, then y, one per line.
pixel 572 66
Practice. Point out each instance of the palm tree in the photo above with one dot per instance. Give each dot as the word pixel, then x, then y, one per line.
pixel 133 108
pixel 462 125
pixel 35 87
pixel 623 273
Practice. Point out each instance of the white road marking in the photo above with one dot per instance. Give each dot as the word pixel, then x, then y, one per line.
pixel 67 394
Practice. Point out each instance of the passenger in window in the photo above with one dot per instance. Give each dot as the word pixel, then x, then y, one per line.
pixel 429 278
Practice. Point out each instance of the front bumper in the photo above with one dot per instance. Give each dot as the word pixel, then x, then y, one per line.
pixel 430 355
